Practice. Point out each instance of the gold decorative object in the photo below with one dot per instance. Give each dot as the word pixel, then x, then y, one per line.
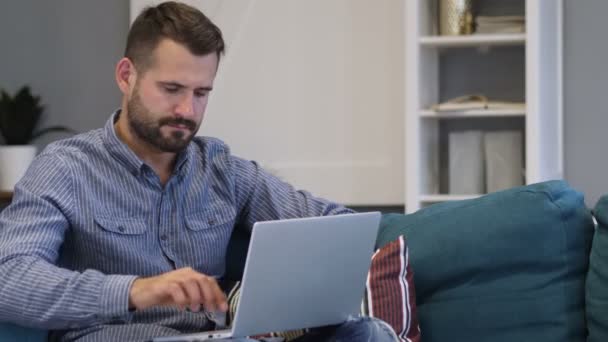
pixel 455 17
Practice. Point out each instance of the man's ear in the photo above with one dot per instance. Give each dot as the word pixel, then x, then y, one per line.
pixel 125 75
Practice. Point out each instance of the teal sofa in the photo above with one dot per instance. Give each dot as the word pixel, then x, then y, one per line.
pixel 509 266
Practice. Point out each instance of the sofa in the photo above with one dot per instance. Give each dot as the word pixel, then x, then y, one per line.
pixel 526 263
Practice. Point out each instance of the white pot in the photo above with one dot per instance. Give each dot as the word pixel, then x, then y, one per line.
pixel 14 160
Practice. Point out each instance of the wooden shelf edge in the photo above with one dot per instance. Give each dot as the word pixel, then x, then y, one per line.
pixel 6 195
pixel 477 113
pixel 473 40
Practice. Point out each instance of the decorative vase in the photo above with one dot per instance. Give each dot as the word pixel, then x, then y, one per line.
pixel 455 17
pixel 14 161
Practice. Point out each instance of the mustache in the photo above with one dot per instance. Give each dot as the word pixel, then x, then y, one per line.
pixel 191 125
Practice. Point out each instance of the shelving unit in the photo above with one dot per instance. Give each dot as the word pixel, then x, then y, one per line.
pixel 6 195
pixel 5 198
pixel 524 67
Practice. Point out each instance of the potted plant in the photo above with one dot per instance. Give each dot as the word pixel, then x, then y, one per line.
pixel 19 116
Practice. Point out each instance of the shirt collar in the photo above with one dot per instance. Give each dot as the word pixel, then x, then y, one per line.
pixel 183 160
pixel 121 152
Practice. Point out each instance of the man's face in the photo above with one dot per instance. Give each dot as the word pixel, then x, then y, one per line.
pixel 168 101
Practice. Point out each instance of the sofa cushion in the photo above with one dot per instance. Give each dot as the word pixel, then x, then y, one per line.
pixel 10 332
pixel 507 266
pixel 597 277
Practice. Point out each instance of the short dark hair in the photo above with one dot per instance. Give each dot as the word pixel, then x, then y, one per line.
pixel 177 21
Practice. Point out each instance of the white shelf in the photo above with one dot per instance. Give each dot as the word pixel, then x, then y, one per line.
pixel 445 198
pixel 436 69
pixel 473 40
pixel 477 113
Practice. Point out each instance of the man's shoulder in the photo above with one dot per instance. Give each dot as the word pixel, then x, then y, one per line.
pixel 80 146
pixel 210 148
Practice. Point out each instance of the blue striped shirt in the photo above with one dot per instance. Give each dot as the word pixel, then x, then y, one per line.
pixel 89 217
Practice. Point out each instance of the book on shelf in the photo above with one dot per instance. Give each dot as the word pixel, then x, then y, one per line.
pixel 476 102
pixel 500 24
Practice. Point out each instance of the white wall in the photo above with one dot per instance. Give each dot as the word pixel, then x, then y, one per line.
pixel 67 51
pixel 585 79
pixel 314 91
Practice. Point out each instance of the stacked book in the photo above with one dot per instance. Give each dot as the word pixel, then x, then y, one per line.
pixel 476 102
pixel 500 24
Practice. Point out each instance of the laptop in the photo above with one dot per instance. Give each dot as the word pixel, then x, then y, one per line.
pixel 301 273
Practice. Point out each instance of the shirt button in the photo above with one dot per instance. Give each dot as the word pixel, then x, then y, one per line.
pixel 163 237
pixel 211 222
pixel 121 229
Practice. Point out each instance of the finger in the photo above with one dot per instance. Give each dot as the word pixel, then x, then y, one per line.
pixel 208 293
pixel 215 297
pixel 193 292
pixel 209 301
pixel 220 297
pixel 178 295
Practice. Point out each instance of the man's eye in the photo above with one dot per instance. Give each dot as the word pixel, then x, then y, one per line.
pixel 200 94
pixel 171 90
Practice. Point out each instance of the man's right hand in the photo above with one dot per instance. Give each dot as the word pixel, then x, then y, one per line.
pixel 183 288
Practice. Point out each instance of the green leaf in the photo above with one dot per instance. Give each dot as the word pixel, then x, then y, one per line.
pixel 19 117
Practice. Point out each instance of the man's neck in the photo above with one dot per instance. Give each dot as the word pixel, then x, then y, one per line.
pixel 161 162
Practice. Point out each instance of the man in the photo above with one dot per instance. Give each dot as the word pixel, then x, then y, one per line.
pixel 121 233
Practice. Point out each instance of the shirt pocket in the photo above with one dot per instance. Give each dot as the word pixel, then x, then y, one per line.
pixel 204 220
pixel 121 226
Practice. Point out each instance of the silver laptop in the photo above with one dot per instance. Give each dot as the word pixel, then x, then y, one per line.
pixel 301 273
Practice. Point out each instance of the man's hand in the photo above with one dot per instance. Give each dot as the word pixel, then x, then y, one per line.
pixel 183 288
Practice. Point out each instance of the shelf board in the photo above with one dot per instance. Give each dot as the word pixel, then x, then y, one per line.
pixel 445 198
pixel 6 196
pixel 476 113
pixel 474 40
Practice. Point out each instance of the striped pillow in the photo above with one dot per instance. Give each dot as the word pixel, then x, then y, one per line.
pixel 233 300
pixel 390 294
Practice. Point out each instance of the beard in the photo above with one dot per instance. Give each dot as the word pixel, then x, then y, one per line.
pixel 141 123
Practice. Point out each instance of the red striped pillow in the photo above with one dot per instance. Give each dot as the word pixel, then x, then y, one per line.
pixel 390 294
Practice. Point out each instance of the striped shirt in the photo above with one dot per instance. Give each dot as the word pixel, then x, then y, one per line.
pixel 89 217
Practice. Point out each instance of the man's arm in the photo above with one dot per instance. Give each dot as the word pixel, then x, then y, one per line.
pixel 33 290
pixel 261 196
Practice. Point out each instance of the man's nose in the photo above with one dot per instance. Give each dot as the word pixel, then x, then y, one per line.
pixel 185 106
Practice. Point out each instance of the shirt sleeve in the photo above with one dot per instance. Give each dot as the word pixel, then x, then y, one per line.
pixel 33 290
pixel 261 196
